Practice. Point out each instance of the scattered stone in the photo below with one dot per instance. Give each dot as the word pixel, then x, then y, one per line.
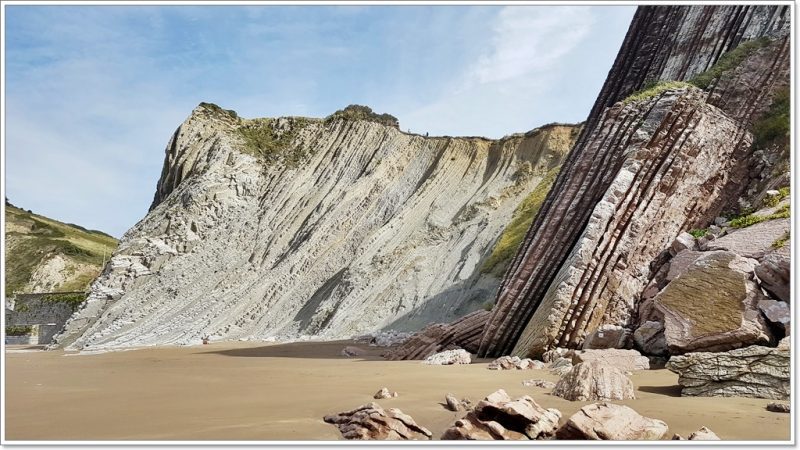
pixel 497 417
pixel 704 434
pixel 607 336
pixel 384 393
pixel 619 358
pixel 371 422
pixel 594 380
pixel 754 241
pixel 649 338
pixel 539 383
pixel 773 273
pixel 684 241
pixel 607 421
pixel 451 402
pixel 755 371
pixel 514 362
pixel 351 351
pixel 448 357
pixel 779 407
pixel 777 313
pixel 712 306
pixel 720 221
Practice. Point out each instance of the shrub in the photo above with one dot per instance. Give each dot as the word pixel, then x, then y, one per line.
pixel 752 219
pixel 698 232
pixel 652 89
pixel 18 330
pixel 360 112
pixel 73 300
pixel 773 200
pixel 773 126
pixel 729 60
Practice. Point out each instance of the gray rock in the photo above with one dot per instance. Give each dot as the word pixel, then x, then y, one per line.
pixel 448 357
pixel 719 221
pixel 594 380
pixel 622 359
pixel 371 422
pixel 755 371
pixel 754 241
pixel 607 336
pixel 452 402
pixel 684 241
pixel 607 421
pixel 777 313
pixel 649 338
pixel 773 273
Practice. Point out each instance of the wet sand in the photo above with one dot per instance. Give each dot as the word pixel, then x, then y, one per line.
pixel 247 391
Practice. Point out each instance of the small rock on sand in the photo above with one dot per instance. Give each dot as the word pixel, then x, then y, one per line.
pixel 384 393
pixel 779 407
pixel 448 357
pixel 539 383
pixel 452 402
pixel 371 422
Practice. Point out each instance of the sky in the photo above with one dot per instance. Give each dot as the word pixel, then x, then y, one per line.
pixel 93 93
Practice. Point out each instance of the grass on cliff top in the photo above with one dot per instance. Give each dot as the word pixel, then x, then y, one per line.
pixel 728 61
pixel 506 247
pixel 37 237
pixel 264 141
pixel 653 89
pixel 360 112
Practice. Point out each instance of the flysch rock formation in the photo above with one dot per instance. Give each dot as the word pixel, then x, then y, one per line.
pixel 645 169
pixel 279 229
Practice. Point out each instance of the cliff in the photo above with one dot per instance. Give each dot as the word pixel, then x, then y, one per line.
pixel 677 136
pixel 292 227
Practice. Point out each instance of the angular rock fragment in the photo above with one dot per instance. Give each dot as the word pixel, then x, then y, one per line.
pixel 594 380
pixel 684 241
pixel 712 306
pixel 560 366
pixel 619 358
pixel 779 407
pixel 497 417
pixel 448 357
pixel 351 351
pixel 754 241
pixel 777 313
pixel 773 273
pixel 607 336
pixel 649 338
pixel 384 393
pixel 607 421
pixel 755 371
pixel 371 422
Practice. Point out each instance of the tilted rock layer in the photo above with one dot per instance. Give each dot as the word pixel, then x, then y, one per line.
pixel 338 228
pixel 642 171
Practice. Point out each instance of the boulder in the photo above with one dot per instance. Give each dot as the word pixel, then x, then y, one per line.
pixel 351 351
pixel 384 393
pixel 712 306
pixel 649 338
pixel 544 384
pixel 704 434
pixel 607 336
pixel 448 357
pixel 754 241
pixel 680 263
pixel 560 366
pixel 621 359
pixel 779 407
pixel 451 402
pixel 606 421
pixel 514 362
pixel 777 314
pixel 755 371
pixel 773 272
pixel 684 241
pixel 497 417
pixel 594 380
pixel 371 422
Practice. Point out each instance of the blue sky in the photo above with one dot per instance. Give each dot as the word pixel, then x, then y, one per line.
pixel 93 93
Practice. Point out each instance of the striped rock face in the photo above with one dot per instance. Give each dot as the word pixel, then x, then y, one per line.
pixel 644 170
pixel 292 227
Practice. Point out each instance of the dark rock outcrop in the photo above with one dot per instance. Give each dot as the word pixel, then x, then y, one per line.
pixel 463 333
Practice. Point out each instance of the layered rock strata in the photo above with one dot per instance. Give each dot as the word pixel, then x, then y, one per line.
pixel 371 422
pixel 292 227
pixel 642 171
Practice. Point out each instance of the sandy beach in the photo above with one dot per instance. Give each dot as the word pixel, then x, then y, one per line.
pixel 248 391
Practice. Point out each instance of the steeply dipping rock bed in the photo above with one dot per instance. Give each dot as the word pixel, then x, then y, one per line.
pixel 292 227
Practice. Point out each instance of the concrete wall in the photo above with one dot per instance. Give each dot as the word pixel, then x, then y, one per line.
pixel 33 309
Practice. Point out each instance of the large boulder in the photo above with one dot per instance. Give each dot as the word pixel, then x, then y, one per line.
pixel 754 241
pixel 607 336
pixel 371 422
pixel 712 306
pixel 594 380
pixel 773 272
pixel 497 417
pixel 447 357
pixel 755 371
pixel 649 338
pixel 621 359
pixel 606 421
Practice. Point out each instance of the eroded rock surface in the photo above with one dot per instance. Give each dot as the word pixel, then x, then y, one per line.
pixel 448 357
pixel 594 380
pixel 607 421
pixel 621 359
pixel 755 371
pixel 514 362
pixel 464 333
pixel 371 422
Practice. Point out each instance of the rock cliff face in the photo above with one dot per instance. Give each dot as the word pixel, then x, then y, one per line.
pixel 646 167
pixel 281 228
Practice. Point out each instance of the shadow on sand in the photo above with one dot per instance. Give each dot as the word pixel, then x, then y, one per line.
pixel 313 350
pixel 671 391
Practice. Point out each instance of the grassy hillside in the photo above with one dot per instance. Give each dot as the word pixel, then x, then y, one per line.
pixel 33 241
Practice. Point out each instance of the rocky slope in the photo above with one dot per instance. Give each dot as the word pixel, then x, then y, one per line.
pixel 45 255
pixel 282 228
pixel 706 134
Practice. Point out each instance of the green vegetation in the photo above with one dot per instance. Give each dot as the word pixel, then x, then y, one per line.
pixel 653 89
pixel 18 330
pixel 729 60
pixel 773 200
pixel 506 247
pixel 781 241
pixel 698 232
pixel 73 300
pixel 752 219
pixel 31 239
pixel 488 306
pixel 263 140
pixel 216 109
pixel 773 127
pixel 360 112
